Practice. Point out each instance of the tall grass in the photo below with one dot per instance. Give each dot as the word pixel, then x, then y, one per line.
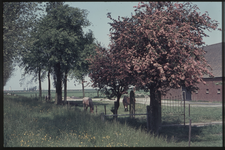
pixel 29 123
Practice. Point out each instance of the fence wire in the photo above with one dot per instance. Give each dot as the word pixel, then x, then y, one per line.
pixel 173 105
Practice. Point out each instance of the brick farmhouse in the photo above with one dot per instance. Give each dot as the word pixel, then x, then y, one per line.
pixel 212 90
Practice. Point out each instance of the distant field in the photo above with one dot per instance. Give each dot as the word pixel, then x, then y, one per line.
pixel 77 93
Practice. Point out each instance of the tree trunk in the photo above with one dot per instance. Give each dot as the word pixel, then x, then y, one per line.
pixel 97 93
pixel 155 110
pixel 39 79
pixel 118 101
pixel 58 84
pixel 83 87
pixel 49 86
pixel 65 87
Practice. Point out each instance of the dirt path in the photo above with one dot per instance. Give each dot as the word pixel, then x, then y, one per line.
pixel 196 124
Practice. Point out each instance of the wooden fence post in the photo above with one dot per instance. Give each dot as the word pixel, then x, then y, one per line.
pixel 189 111
pixel 105 109
pixel 189 133
pixel 184 98
pixel 148 118
pixel 132 104
pixel 102 117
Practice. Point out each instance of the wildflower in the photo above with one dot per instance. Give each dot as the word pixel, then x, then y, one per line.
pixel 107 137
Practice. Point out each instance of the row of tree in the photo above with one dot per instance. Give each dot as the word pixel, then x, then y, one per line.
pixel 158 48
pixel 53 44
pixel 18 18
pixel 31 89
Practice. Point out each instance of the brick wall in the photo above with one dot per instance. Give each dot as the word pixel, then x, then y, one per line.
pixel 212 85
pixel 173 92
pixel 209 91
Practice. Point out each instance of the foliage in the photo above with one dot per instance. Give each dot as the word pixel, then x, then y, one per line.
pixel 8 69
pixel 58 38
pixel 108 75
pixel 161 48
pixel 18 18
pixel 82 67
pixel 163 44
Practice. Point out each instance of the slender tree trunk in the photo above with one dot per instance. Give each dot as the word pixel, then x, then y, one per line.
pixel 58 84
pixel 39 79
pixel 65 87
pixel 118 101
pixel 155 110
pixel 83 87
pixel 49 86
pixel 97 93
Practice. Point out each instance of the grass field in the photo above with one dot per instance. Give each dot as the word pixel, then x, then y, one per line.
pixel 31 123
pixel 77 93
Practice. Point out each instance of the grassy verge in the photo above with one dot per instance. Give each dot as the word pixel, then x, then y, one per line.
pixel 30 123
pixel 206 136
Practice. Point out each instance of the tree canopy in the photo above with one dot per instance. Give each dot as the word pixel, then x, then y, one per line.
pixel 160 47
pixel 163 49
pixel 60 38
pixel 108 75
pixel 18 18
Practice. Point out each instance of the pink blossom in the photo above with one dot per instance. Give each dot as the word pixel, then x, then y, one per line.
pixel 177 6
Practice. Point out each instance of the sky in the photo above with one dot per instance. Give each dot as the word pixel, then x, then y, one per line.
pixel 99 25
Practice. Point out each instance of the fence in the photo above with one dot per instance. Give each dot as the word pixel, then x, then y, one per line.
pixel 174 105
pixel 103 115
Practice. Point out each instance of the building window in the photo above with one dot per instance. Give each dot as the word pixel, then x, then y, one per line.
pixel 207 91
pixel 218 91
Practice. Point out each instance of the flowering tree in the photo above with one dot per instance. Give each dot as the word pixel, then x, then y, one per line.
pixel 108 75
pixel 161 48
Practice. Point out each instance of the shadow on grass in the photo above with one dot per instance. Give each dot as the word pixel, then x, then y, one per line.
pixel 135 123
pixel 176 133
pixel 198 134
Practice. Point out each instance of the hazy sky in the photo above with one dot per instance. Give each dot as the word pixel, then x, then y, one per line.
pixel 100 27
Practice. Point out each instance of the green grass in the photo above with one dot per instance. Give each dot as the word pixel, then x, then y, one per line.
pixel 77 93
pixel 197 114
pixel 31 123
pixel 206 136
